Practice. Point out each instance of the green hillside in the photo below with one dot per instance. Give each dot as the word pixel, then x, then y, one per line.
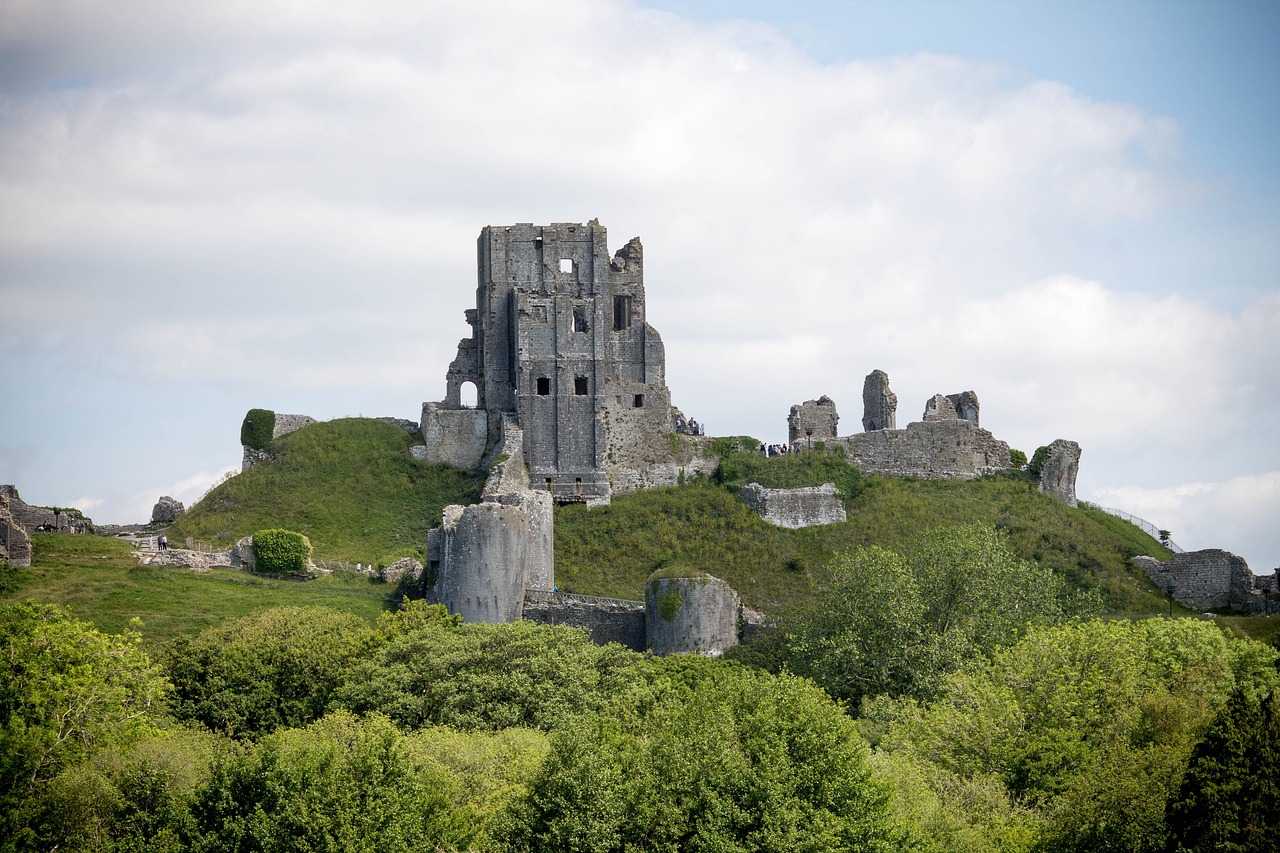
pixel 612 550
pixel 350 485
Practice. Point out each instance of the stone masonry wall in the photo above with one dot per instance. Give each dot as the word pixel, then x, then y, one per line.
pixel 795 508
pixel 607 623
pixel 454 435
pixel 699 614
pixel 1211 579
pixel 940 449
pixel 15 544
pixel 812 420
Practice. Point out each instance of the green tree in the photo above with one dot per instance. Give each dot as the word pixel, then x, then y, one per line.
pixel 897 623
pixel 65 689
pixel 278 667
pixel 724 758
pixel 1230 796
pixel 342 783
pixel 1087 725
pixel 487 676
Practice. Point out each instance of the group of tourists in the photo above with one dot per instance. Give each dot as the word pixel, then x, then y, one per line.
pixel 690 427
pixel 775 449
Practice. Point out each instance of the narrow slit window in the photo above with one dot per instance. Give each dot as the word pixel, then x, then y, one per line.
pixel 639 401
pixel 544 386
pixel 577 485
pixel 621 313
pixel 580 318
pixel 580 386
pixel 548 484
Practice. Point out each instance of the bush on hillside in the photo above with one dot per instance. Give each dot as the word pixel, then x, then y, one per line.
pixel 1036 465
pixel 281 552
pixel 1017 458
pixel 258 428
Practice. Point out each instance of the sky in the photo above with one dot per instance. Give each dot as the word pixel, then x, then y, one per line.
pixel 1070 208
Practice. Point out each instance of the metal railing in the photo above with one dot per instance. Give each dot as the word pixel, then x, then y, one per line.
pixel 542 596
pixel 1146 526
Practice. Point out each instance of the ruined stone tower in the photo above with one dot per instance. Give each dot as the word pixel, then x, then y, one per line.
pixel 559 341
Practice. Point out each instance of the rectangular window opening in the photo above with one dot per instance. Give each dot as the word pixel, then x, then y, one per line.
pixel 548 484
pixel 566 265
pixel 621 313
pixel 580 318
pixel 639 401
pixel 580 386
pixel 577 485
pixel 544 386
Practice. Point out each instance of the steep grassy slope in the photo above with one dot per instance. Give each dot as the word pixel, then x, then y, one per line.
pixel 612 550
pixel 350 485
pixel 102 582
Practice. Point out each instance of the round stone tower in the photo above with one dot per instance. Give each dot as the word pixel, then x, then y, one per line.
pixel 698 614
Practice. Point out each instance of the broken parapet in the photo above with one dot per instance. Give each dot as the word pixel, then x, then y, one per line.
pixel 795 508
pixel 1058 473
pixel 812 420
pixel 879 404
pixel 1211 579
pixel 693 614
pixel 939 408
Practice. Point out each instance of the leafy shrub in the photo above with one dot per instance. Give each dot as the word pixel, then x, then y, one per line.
pixel 258 427
pixel 281 551
pixel 1017 457
pixel 1036 465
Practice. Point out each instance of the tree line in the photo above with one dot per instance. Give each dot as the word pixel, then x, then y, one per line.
pixel 944 697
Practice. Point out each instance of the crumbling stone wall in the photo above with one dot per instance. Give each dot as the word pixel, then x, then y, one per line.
pixel 15 544
pixel 695 614
pixel 939 449
pixel 795 508
pixel 966 406
pixel 1058 473
pixel 607 622
pixel 1210 579
pixel 812 420
pixel 454 436
pixel 879 404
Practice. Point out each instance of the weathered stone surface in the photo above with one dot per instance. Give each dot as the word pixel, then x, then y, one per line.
pixel 253 457
pixel 480 554
pixel 942 449
pixel 696 614
pixel 15 544
pixel 199 560
pixel 400 569
pixel 966 406
pixel 939 408
pixel 419 452
pixel 1210 579
pixel 608 622
pixel 241 555
pixel 795 508
pixel 1058 474
pixel 812 420
pixel 560 342
pixel 879 404
pixel 286 424
pixel 166 510
pixel 454 436
pixel 31 517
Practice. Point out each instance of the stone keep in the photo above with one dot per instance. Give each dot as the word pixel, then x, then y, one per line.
pixel 559 341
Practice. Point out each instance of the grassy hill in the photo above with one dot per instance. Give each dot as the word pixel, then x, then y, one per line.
pixel 350 485
pixel 100 579
pixel 612 550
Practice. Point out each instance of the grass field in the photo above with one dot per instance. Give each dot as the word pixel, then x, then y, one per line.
pixel 101 581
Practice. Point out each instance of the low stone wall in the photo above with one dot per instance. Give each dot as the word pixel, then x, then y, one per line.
pixel 1211 579
pixel 199 560
pixel 795 508
pixel 454 436
pixel 607 622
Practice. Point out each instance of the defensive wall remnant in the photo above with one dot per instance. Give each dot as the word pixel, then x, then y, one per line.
pixel 15 544
pixel 795 508
pixel 1211 579
pixel 691 614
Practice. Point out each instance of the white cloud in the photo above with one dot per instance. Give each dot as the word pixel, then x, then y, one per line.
pixel 284 199
pixel 138 506
pixel 1235 514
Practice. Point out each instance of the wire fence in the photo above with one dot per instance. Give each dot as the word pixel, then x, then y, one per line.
pixel 1147 527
